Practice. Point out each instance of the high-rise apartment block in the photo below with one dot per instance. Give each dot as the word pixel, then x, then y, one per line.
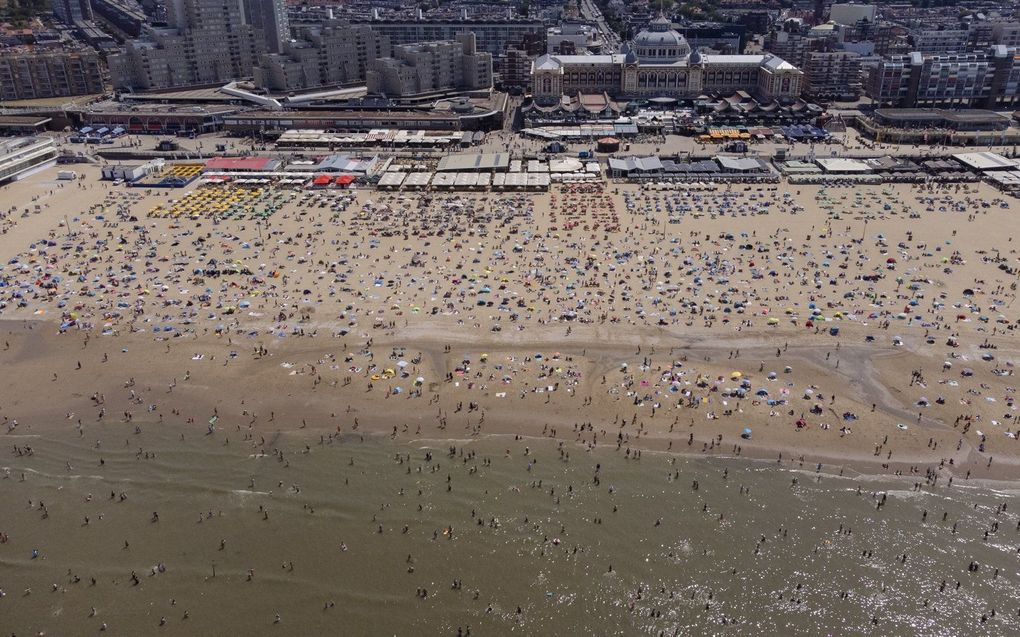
pixel 268 19
pixel 493 37
pixel 319 56
pixel 124 17
pixel 71 12
pixel 987 80
pixel 205 42
pixel 832 75
pixel 33 72
pixel 432 67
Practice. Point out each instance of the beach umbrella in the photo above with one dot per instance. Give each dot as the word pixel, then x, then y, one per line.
pixel 746 433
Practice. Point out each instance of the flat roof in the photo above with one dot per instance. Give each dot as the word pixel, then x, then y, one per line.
pixel 732 59
pixel 985 161
pixel 23 120
pixel 475 161
pixel 799 167
pixel 975 115
pixel 565 165
pixel 72 100
pixel 419 179
pixel 391 180
pixel 167 110
pixel 970 115
pixel 185 95
pixel 340 114
pixel 908 113
pixel 842 165
pixel 346 163
pixel 743 164
pixel 241 163
pixel 635 164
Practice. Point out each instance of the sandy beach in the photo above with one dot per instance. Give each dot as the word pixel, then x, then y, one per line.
pixel 865 331
pixel 672 313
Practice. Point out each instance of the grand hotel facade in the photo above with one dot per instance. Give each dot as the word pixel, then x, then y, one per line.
pixel 658 62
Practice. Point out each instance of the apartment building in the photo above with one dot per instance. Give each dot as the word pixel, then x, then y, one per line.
pixel 988 79
pixel 206 42
pixel 493 37
pixel 30 72
pixel 965 38
pixel 71 12
pixel 832 75
pixel 431 67
pixel 268 19
pixel 319 56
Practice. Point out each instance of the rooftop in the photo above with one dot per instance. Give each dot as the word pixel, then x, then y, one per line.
pixel 985 161
pixel 843 165
pixel 973 115
pixel 242 163
pixel 158 109
pixel 732 59
pixel 472 161
pixel 742 164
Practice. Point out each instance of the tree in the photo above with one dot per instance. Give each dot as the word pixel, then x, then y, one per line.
pixel 20 12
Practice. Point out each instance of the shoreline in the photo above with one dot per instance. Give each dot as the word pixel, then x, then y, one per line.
pixel 185 401
pixel 376 416
pixel 822 319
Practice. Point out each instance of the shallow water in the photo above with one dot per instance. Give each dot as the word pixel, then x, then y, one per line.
pixel 548 537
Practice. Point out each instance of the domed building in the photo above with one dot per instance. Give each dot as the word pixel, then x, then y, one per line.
pixel 659 62
pixel 660 43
